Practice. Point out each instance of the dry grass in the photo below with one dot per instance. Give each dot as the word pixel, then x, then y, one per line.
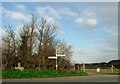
pixel 103 71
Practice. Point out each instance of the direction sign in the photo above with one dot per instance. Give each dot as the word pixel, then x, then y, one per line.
pixel 61 55
pixel 52 57
pixel 57 55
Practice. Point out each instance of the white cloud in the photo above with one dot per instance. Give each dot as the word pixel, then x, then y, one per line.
pixel 68 12
pixel 48 11
pixel 102 53
pixel 108 17
pixel 87 22
pixel 105 15
pixel 53 22
pixel 21 7
pixel 16 15
pixel 87 19
pixel 56 13
pixel 89 12
pixel 105 48
pixel 108 14
pixel 112 33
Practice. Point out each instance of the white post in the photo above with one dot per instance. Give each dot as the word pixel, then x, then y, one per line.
pixel 56 61
pixel 56 65
pixel 19 65
pixel 84 67
pixel 112 68
pixel 98 69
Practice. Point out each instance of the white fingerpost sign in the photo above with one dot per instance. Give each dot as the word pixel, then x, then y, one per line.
pixel 52 57
pixel 56 57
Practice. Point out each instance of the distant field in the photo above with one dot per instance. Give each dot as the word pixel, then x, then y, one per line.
pixel 103 71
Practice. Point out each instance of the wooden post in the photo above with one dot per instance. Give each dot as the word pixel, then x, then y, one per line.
pixel 112 67
pixel 84 67
pixel 98 69
pixel 56 65
pixel 19 65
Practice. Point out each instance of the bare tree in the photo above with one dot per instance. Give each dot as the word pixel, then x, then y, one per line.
pixel 27 35
pixel 46 37
pixel 9 47
pixel 63 48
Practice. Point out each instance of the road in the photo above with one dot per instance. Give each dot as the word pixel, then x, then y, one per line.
pixel 94 78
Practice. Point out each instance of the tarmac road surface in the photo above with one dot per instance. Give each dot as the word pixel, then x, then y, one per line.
pixel 94 78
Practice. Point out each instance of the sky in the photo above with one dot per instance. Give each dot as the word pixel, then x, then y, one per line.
pixel 90 28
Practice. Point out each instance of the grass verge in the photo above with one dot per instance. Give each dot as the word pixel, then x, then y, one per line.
pixel 29 73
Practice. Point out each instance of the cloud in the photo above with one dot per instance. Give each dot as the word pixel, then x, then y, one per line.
pixel 82 55
pixel 105 15
pixel 102 53
pixel 112 32
pixel 108 17
pixel 87 22
pixel 89 12
pixel 56 13
pixel 53 22
pixel 87 19
pixel 105 48
pixel 21 7
pixel 16 15
pixel 49 11
pixel 108 14
pixel 69 12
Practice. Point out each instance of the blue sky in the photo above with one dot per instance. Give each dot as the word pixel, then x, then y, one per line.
pixel 91 28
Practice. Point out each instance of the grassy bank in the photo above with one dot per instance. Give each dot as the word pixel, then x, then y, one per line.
pixel 28 73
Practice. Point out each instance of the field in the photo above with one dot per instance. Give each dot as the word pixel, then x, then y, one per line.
pixel 104 71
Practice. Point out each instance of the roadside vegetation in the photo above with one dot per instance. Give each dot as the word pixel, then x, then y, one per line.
pixel 44 73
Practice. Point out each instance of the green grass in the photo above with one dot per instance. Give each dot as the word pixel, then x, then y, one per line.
pixel 29 73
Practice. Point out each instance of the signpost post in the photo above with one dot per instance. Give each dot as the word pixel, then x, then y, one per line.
pixel 56 57
pixel 112 67
pixel 84 67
